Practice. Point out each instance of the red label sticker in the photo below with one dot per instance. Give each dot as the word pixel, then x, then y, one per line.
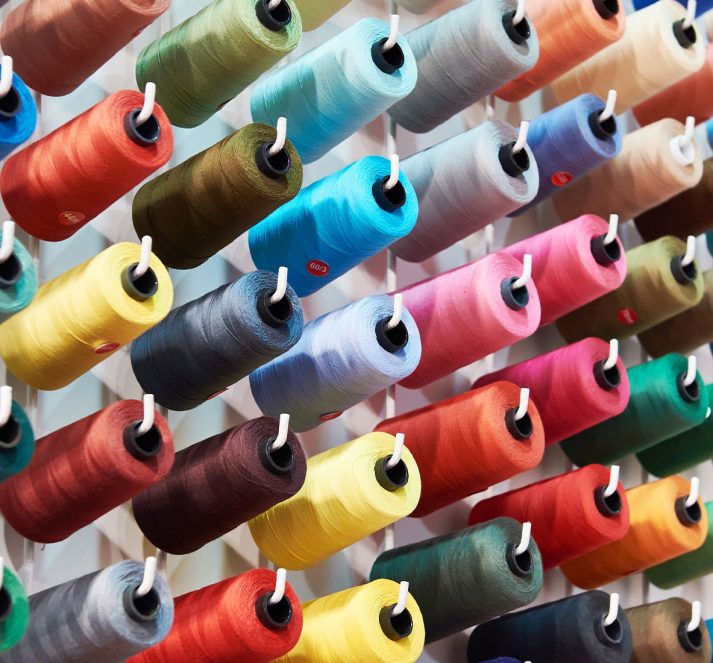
pixel 318 268
pixel 71 218
pixel 107 347
pixel 330 415
pixel 627 316
pixel 561 177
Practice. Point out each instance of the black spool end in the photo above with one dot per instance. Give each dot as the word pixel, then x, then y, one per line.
pixel 607 378
pixel 142 608
pixel 395 627
pixel 604 129
pixel 686 37
pixel 607 506
pixel 513 163
pixel 5 604
pixel 274 616
pixel 688 515
pixel 277 461
pixel 519 33
pixel 392 340
pixel 146 134
pixel 391 478
pixel 141 287
pixel 684 274
pixel 10 272
pixel 273 19
pixel 610 635
pixel 514 298
pixel 276 165
pixel 691 641
pixel 388 199
pixel 520 565
pixel 142 446
pixel 388 61
pixel 10 434
pixel 689 393
pixel 605 254
pixel 10 104
pixel 274 315
pixel 521 429
pixel 606 8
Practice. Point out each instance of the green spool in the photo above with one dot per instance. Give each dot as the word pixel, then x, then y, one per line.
pixel 211 57
pixel 691 566
pixel 659 408
pixel 17 442
pixel 14 611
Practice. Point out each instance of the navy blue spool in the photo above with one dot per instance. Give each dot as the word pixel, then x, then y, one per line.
pixel 17 442
pixel 703 5
pixel 18 116
pixel 568 142
pixel 204 346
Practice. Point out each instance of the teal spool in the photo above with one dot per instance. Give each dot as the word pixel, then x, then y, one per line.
pixel 659 407
pixel 14 600
pixel 17 442
pixel 18 117
pixel 18 280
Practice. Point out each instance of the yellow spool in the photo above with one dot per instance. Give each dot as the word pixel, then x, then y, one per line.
pixel 340 503
pixel 81 317
pixel 345 628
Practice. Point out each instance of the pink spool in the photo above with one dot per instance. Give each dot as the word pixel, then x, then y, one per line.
pixel 570 387
pixel 468 313
pixel 571 264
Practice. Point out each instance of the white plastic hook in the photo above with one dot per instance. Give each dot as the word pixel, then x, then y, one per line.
pixel 690 254
pixel 398 312
pixel 609 108
pixel 682 147
pixel 691 371
pixel 398 451
pixel 2 570
pixel 149 577
pixel 695 617
pixel 5 75
pixel 524 402
pixel 403 597
pixel 149 101
pixel 691 8
pixel 525 539
pixel 526 272
pixel 282 431
pixel 281 133
pixel 613 481
pixel 708 413
pixel 693 492
pixel 519 12
pixel 8 240
pixel 521 141
pixel 281 288
pixel 393 34
pixel 143 266
pixel 394 173
pixel 613 355
pixel 613 229
pixel 613 610
pixel 147 423
pixel 273 4
pixel 5 404
pixel 280 584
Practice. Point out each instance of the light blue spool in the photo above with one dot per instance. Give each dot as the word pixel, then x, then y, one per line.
pixel 333 225
pixel 332 91
pixel 18 280
pixel 337 363
pixel 18 116
pixel 703 5
pixel 17 442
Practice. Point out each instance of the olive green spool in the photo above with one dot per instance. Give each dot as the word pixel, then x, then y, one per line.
pixel 657 410
pixel 17 611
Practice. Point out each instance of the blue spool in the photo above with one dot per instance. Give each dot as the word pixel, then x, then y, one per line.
pixel 18 116
pixel 703 5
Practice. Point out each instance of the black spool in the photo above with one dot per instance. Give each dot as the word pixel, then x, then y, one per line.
pixel 275 315
pixel 274 616
pixel 142 446
pixel 10 434
pixel 605 254
pixel 141 287
pixel 691 641
pixel 607 378
pixel 514 298
pixel 273 166
pixel 607 506
pixel 519 33
pixel 10 104
pixel 395 627
pixel 521 429
pixel 142 608
pixel 273 19
pixel 604 129
pixel 391 478
pixel 146 134
pixel 688 515
pixel 606 8
pixel 5 604
pixel 686 37
pixel 388 199
pixel 388 61
pixel 513 163
pixel 610 635
pixel 520 565
pixel 10 272
pixel 689 393
pixel 392 340
pixel 277 461
pixel 684 274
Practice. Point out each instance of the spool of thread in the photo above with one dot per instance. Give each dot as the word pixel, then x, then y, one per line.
pixel 51 190
pixel 82 316
pixel 466 577
pixel 661 527
pixel 336 88
pixel 686 331
pixel 463 184
pixel 210 58
pixel 569 32
pixel 570 141
pixel 316 12
pixel 570 386
pixel 218 484
pixel 467 443
pixel 660 633
pixel 350 492
pixel 360 627
pixel 468 313
pixel 231 621
pixel 660 405
pixel 672 53
pixel 15 610
pixel 18 116
pixel 320 376
pixel 206 345
pixel 463 56
pixel 702 7
pixel 58 45
pixel 565 528
pixel 97 617
pixel 645 174
pixel 572 264
pixel 571 629
pixel 197 208
pixel 335 224
pixel 17 444
pixel 683 451
pixel 18 280
pixel 657 287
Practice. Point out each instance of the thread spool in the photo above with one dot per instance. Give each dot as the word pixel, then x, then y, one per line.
pixel 52 191
pixel 208 344
pixel 336 88
pixel 197 208
pixel 18 116
pixel 463 184
pixel 570 141
pixel 318 378
pixel 97 617
pixel 657 287
pixel 480 566
pixel 87 33
pixel 218 484
pixel 18 280
pixel 15 610
pixel 231 621
pixel 349 493
pixel 316 12
pixel 570 386
pixel 571 629
pixel 644 175
pixel 702 6
pixel 476 301
pixel 467 443
pixel 569 33
pixel 675 52
pixel 660 633
pixel 463 56
pixel 660 406
pixel 17 443
pixel 211 57
pixel 360 627
pixel 335 224
pixel 661 528
pixel 586 520
pixel 572 264
pixel 95 308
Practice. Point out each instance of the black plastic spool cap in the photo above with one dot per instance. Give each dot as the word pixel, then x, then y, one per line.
pixel 520 565
pixel 514 298
pixel 146 134
pixel 9 434
pixel 519 33
pixel 5 604
pixel 276 461
pixel 607 506
pixel 513 163
pixel 388 61
pixel 275 19
pixel 686 37
pixel 10 105
pixel 611 635
pixel 142 446
pixel 388 199
pixel 605 254
pixel 141 287
pixel 274 616
pixel 607 8
pixel 691 641
pixel 392 340
pixel 274 315
pixel 273 166
pixel 689 393
pixel 521 429
pixel 395 627
pixel 688 515
pixel 602 130
pixel 606 378
pixel 684 274
pixel 142 608
pixel 391 478
pixel 10 272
